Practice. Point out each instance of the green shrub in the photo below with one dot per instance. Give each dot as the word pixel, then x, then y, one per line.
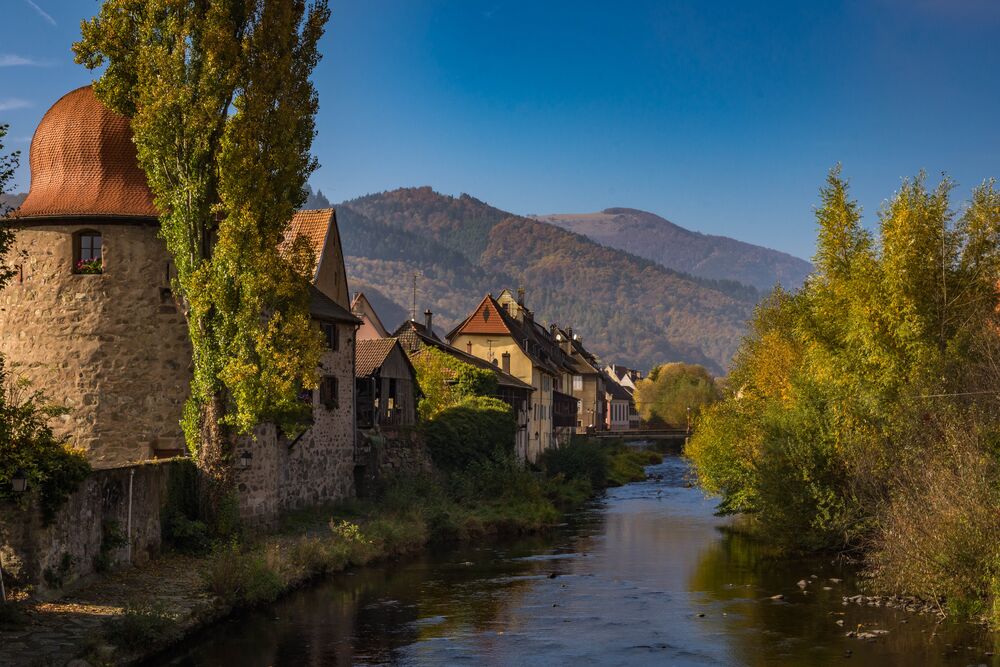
pixel 581 459
pixel 242 577
pixel 139 626
pixel 27 444
pixel 472 431
pixel 186 535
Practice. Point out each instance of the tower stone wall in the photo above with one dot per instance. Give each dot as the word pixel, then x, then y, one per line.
pixel 112 347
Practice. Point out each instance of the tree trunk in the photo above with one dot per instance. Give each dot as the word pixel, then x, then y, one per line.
pixel 215 459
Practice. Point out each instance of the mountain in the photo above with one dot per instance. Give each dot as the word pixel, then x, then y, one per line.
pixel 631 310
pixel 10 201
pixel 719 257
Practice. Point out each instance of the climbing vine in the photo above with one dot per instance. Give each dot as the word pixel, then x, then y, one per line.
pixel 222 111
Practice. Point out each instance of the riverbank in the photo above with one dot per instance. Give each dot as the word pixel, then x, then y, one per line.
pixel 647 574
pixel 123 617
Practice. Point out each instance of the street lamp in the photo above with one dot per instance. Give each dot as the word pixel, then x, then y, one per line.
pixel 244 460
pixel 19 484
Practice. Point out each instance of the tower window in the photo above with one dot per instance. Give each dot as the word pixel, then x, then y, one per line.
pixel 88 252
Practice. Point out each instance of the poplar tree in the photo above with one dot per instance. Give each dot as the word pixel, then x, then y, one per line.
pixel 222 110
pixel 8 165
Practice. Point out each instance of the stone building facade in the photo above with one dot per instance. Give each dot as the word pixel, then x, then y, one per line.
pixel 90 318
pixel 318 466
pixel 109 345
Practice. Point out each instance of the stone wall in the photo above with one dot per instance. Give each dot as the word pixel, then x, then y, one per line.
pixel 67 548
pixel 316 469
pixel 386 453
pixel 112 348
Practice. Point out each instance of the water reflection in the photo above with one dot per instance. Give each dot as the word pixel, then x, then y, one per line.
pixel 646 576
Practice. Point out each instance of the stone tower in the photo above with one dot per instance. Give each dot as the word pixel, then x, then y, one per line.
pixel 89 317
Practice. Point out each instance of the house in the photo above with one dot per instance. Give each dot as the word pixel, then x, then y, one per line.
pixel 92 321
pixel 620 405
pixel 371 326
pixel 503 333
pixel 385 385
pixel 626 377
pixel 629 379
pixel 512 391
pixel 413 335
pixel 587 383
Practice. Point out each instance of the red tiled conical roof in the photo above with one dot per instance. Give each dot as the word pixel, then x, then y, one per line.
pixel 83 164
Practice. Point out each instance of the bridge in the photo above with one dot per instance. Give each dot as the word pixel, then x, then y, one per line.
pixel 677 435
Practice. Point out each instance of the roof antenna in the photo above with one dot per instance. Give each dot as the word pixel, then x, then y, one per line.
pixel 413 309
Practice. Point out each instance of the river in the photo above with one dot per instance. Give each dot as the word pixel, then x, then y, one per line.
pixel 645 575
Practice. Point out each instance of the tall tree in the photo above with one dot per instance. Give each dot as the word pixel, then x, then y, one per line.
pixel 222 109
pixel 8 164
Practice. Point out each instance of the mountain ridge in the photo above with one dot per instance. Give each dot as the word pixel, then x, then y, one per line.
pixel 660 240
pixel 633 310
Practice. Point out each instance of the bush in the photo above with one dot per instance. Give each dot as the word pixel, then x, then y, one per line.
pixel 186 535
pixel 470 432
pixel 940 537
pixel 27 444
pixel 139 626
pixel 241 577
pixel 584 459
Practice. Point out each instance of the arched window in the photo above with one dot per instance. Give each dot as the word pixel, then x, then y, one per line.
pixel 88 252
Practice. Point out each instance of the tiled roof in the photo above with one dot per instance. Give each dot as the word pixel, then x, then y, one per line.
pixel 323 307
pixel 312 224
pixel 486 319
pixel 417 334
pixel 83 164
pixel 371 354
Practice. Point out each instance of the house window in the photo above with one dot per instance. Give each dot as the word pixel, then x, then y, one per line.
pixel 577 383
pixel 331 335
pixel 328 395
pixel 88 252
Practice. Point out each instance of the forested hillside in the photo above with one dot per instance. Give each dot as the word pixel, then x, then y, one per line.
pixel 719 257
pixel 631 310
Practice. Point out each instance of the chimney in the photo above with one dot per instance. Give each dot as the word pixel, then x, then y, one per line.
pixel 428 320
pixel 506 362
pixel 552 329
pixel 569 333
pixel 520 296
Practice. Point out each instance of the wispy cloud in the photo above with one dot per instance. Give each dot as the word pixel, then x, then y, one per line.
pixel 14 60
pixel 14 103
pixel 41 12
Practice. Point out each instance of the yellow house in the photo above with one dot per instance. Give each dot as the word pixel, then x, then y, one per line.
pixel 503 332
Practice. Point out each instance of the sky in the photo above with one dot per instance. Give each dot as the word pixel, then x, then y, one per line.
pixel 723 117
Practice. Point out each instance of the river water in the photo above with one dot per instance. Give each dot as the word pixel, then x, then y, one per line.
pixel 646 575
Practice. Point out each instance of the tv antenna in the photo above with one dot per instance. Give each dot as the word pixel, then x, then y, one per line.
pixel 413 309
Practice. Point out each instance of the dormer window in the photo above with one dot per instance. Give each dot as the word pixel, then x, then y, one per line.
pixel 88 252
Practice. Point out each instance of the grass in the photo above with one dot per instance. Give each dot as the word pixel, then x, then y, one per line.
pixel 495 497
pixel 139 626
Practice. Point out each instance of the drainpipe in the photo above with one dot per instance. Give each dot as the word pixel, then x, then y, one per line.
pixel 128 530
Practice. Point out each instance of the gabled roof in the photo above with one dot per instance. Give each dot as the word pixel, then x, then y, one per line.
pixel 362 308
pixel 410 334
pixel 323 307
pixel 490 317
pixel 616 391
pixel 423 340
pixel 314 225
pixel 487 318
pixel 371 354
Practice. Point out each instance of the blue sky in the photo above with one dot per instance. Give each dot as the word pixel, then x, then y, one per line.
pixel 720 116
